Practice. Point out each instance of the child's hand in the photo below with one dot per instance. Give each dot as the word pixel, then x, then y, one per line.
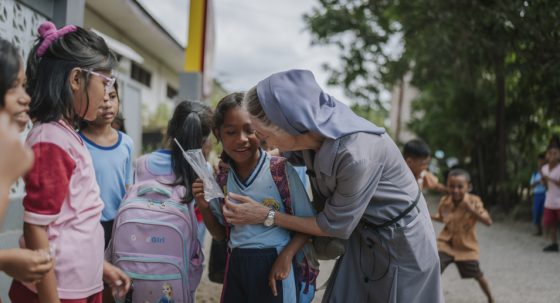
pixel 198 194
pixel 117 280
pixel 468 207
pixel 26 265
pixel 280 271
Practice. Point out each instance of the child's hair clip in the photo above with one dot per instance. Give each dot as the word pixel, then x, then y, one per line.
pixel 49 33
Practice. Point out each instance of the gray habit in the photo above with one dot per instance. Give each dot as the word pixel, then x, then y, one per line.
pixel 364 176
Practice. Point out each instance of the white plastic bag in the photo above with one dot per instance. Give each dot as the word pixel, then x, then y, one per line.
pixel 198 163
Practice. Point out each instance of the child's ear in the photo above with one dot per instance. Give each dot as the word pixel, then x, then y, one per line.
pixel 75 79
pixel 470 187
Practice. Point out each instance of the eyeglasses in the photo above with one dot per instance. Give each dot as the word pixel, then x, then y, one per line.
pixel 109 80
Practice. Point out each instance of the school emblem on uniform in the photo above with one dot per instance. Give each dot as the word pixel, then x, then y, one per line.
pixel 271 203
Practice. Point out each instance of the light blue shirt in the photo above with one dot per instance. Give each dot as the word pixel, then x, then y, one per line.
pixel 261 188
pixel 113 171
pixel 539 188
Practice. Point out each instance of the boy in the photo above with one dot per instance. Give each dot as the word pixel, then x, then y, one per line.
pixel 460 211
pixel 551 176
pixel 417 155
pixel 539 194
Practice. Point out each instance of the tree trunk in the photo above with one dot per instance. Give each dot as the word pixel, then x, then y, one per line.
pixel 501 129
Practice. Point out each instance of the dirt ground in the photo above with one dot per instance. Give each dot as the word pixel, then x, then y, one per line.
pixel 510 257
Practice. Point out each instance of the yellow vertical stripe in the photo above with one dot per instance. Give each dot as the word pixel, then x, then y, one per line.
pixel 195 47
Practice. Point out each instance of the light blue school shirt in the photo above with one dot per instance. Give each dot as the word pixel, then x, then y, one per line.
pixel 260 187
pixel 113 171
pixel 539 188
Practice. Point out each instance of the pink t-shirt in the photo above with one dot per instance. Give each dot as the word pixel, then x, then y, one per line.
pixel 553 192
pixel 62 193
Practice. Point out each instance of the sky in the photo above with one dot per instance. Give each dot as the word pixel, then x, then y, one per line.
pixel 254 39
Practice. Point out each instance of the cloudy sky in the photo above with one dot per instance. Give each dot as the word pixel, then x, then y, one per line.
pixel 254 39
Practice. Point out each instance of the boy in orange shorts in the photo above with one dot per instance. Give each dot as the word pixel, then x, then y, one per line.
pixel 460 211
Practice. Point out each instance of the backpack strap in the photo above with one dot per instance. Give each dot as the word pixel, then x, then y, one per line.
pixel 280 178
pixel 279 174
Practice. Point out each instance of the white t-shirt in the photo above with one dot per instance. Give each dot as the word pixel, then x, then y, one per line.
pixel 553 193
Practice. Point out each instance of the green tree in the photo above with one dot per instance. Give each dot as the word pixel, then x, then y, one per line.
pixel 488 72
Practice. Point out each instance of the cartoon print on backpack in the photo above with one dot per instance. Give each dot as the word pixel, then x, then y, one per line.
pixel 167 294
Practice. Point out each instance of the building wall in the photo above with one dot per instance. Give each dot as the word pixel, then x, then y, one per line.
pixel 161 74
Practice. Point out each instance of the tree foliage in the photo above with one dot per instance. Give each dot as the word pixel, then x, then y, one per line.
pixel 488 73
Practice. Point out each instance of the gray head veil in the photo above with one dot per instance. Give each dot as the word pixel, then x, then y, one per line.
pixel 294 101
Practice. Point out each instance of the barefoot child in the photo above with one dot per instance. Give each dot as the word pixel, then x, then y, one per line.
pixel 111 151
pixel 551 176
pixel 460 211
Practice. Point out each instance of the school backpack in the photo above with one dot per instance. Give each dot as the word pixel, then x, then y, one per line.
pixel 306 265
pixel 155 240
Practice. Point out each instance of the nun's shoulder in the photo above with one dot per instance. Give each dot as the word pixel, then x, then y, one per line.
pixel 362 146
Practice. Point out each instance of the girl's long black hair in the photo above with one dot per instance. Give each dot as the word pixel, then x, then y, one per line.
pixel 228 102
pixel 190 124
pixel 48 75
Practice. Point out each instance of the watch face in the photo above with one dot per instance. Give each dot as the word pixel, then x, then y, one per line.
pixel 269 218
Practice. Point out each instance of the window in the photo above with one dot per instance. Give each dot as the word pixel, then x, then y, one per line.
pixel 171 92
pixel 140 74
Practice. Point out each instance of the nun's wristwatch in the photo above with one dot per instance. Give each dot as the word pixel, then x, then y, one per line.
pixel 269 221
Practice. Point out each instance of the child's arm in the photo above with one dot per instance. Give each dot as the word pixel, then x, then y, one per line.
pixel 36 237
pixel 283 264
pixel 431 182
pixel 479 212
pixel 217 230
pixel 438 216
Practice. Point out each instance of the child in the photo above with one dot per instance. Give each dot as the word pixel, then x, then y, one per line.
pixel 15 159
pixel 111 151
pixel 258 253
pixel 118 123
pixel 551 176
pixel 191 125
pixel 460 211
pixel 69 77
pixel 417 155
pixel 539 194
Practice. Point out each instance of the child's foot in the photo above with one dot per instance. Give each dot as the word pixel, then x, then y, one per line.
pixel 538 231
pixel 551 248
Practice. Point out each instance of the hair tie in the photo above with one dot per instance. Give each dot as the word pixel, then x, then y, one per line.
pixel 48 32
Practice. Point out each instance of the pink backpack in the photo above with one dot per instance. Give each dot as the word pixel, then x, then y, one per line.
pixel 155 240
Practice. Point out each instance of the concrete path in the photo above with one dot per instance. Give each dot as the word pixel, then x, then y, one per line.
pixel 511 259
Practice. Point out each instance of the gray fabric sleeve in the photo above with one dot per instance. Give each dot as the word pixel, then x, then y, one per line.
pixel 356 183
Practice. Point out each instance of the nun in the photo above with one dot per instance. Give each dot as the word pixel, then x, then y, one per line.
pixel 367 194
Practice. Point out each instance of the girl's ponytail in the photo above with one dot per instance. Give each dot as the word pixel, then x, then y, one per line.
pixel 190 125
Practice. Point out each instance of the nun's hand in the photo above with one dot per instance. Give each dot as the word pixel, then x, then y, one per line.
pixel 239 210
